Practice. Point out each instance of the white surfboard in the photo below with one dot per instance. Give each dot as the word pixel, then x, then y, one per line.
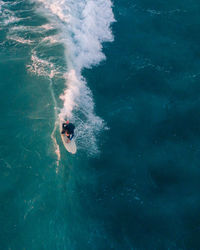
pixel 70 146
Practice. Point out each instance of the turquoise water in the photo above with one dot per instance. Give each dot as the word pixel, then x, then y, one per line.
pixel 127 75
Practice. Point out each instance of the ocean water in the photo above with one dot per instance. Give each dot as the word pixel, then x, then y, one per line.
pixel 127 74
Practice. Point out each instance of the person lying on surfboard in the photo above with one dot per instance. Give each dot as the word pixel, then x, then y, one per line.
pixel 68 130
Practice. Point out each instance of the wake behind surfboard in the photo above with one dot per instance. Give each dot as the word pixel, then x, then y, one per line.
pixel 70 146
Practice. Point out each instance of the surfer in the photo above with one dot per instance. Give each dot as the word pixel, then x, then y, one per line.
pixel 68 130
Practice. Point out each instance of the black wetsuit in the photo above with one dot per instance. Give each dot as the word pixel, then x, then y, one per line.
pixel 69 128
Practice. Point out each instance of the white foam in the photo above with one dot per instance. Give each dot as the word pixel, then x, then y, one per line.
pixel 72 92
pixel 42 67
pixel 42 28
pixel 51 40
pixel 47 26
pixel 20 39
pixel 83 25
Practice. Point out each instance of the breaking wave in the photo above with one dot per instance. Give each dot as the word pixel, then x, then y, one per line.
pixel 83 26
pixel 80 27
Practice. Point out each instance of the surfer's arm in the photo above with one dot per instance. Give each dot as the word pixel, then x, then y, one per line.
pixel 71 136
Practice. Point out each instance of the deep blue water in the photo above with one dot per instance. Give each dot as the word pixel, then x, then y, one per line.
pixel 134 182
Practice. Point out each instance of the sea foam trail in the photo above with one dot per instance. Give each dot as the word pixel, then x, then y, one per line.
pixel 83 26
